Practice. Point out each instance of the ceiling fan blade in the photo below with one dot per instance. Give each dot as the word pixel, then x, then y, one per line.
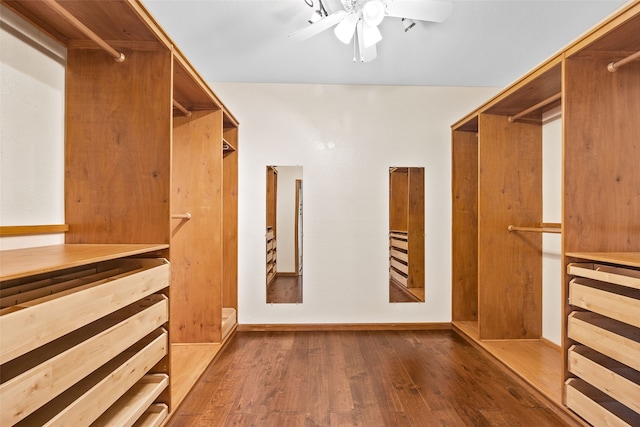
pixel 370 35
pixel 366 53
pixel 421 10
pixel 347 28
pixel 319 26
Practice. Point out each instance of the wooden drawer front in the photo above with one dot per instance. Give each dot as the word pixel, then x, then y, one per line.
pixel 35 378
pixel 617 302
pixel 270 234
pixel 31 324
pixel 398 277
pixel 596 407
pixel 399 255
pixel 83 403
pixel 613 378
pixel 153 416
pixel 400 244
pixel 397 265
pixel 606 273
pixel 136 401
pixel 607 336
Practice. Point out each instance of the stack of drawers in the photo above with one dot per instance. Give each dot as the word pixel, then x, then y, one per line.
pixel 80 346
pixel 604 361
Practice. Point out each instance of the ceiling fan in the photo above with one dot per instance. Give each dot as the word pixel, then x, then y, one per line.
pixel 360 18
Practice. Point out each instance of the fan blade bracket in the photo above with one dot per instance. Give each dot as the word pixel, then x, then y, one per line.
pixel 319 26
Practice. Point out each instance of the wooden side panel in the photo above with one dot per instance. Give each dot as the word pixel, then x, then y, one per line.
pixel 509 264
pixel 464 274
pixel 196 244
pixel 272 193
pixel 230 223
pixel 601 189
pixel 415 223
pixel 398 198
pixel 117 147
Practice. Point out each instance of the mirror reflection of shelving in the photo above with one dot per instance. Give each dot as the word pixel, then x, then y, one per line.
pixel 283 234
pixel 406 234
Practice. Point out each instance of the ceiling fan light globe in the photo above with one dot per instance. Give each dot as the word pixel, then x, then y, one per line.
pixel 373 12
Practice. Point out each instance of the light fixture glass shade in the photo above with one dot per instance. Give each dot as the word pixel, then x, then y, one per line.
pixel 373 12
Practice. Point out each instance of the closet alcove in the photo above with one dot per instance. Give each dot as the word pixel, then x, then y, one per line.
pixel 498 225
pixel 150 228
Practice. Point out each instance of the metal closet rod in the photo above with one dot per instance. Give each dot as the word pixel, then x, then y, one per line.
pixel 118 56
pixel 184 216
pixel 613 66
pixel 545 228
pixel 181 108
pixel 535 107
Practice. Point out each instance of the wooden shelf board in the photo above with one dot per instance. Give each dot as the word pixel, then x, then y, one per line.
pixel 629 259
pixel 17 263
pixel 535 361
pixel 188 363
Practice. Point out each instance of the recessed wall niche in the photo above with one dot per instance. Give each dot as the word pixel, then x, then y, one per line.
pixel 284 234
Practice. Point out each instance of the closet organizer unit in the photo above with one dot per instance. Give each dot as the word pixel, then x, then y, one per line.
pixel 150 159
pixel 497 224
pixel 272 202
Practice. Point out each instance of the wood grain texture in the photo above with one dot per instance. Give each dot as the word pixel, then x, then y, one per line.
pixel 230 221
pixel 415 223
pixel 18 263
pixel 196 244
pixel 509 264
pixel 464 269
pixel 411 378
pixel 117 147
pixel 23 230
pixel 602 157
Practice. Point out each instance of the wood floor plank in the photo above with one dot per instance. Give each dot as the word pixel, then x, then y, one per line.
pixel 358 378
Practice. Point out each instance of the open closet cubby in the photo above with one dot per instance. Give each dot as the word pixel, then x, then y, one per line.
pixel 150 166
pixel 497 224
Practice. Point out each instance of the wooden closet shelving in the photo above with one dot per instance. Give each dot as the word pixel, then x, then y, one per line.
pixel 496 183
pixel 148 162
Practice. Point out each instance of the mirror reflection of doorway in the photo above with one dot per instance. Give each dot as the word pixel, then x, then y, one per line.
pixel 406 234
pixel 284 234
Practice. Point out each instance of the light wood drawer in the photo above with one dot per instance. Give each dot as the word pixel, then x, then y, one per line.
pixel 613 378
pixel 83 403
pixel 607 336
pixel 400 244
pixel 617 302
pixel 398 277
pixel 596 407
pixel 35 378
pixel 34 323
pixel 399 255
pixel 269 234
pixel 153 416
pixel 398 235
pixel 135 402
pixel 606 273
pixel 397 265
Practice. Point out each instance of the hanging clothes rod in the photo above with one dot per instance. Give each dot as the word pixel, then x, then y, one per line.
pixel 181 216
pixel 118 56
pixel 535 107
pixel 613 66
pixel 545 228
pixel 181 108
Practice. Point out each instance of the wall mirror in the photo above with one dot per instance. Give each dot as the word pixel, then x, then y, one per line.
pixel 284 234
pixel 406 234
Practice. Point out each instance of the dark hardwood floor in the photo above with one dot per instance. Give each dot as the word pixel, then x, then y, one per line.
pixel 285 289
pixel 358 378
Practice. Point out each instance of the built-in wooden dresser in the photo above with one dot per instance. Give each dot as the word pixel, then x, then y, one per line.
pixel 272 255
pixel 604 326
pixel 83 335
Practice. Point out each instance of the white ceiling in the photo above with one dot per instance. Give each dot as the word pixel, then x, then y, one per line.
pixel 483 43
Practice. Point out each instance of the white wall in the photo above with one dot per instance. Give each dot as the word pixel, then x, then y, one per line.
pixel 286 217
pixel 31 130
pixel 346 137
pixel 552 212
